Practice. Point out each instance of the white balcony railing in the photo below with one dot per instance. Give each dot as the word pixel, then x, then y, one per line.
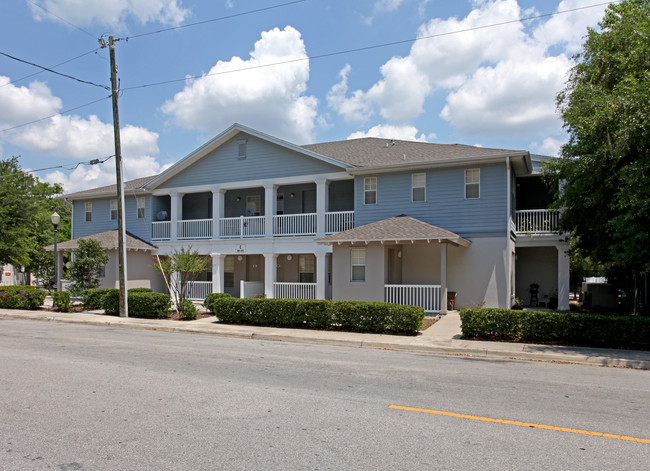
pixel 338 221
pixel 161 230
pixel 195 229
pixel 426 296
pixel 294 224
pixel 294 290
pixel 198 290
pixel 241 227
pixel 537 221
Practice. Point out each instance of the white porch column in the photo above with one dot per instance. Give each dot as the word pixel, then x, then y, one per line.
pixel 443 278
pixel 176 209
pixel 321 207
pixel 270 208
pixel 217 272
pixel 563 285
pixel 321 275
pixel 217 214
pixel 270 274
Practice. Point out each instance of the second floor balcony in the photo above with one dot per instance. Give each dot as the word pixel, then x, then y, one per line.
pixel 536 221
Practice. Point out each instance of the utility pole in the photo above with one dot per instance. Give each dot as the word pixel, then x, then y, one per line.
pixel 121 219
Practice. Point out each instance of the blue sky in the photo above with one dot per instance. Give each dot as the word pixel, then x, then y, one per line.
pixel 463 82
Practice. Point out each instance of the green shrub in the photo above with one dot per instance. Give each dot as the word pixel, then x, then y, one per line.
pixel 187 310
pixel 140 290
pixel 143 305
pixel 568 328
pixel 211 298
pixel 62 300
pixel 318 314
pixel 21 297
pixel 92 298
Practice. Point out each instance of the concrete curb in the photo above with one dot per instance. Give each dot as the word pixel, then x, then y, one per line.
pixel 440 341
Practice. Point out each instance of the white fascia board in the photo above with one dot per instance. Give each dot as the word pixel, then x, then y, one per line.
pixel 438 163
pixel 255 183
pixel 226 135
pixel 456 241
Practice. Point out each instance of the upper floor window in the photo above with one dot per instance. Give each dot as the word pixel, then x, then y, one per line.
pixel 241 148
pixel 358 264
pixel 370 190
pixel 418 187
pixel 89 211
pixel 113 210
pixel 141 206
pixel 472 183
pixel 306 268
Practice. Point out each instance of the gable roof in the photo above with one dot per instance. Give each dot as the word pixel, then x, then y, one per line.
pixel 108 240
pixel 372 152
pixel 228 134
pixel 396 229
pixel 132 186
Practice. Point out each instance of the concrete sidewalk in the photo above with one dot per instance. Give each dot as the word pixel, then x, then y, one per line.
pixel 444 337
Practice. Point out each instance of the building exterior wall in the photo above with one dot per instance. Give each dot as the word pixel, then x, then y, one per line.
pixel 536 265
pixel 445 205
pixel 101 219
pixel 140 272
pixel 370 290
pixel 263 160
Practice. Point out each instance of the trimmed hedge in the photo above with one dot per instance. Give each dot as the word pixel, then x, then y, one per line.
pixel 92 298
pixel 358 316
pixel 21 297
pixel 62 300
pixel 143 305
pixel 550 327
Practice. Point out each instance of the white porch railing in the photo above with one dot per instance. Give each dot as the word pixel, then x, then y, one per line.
pixel 537 221
pixel 252 226
pixel 195 229
pixel 198 290
pixel 294 224
pixel 161 230
pixel 338 221
pixel 294 290
pixel 426 296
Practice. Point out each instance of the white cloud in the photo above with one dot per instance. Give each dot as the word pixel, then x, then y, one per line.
pixel 23 104
pixel 404 133
pixel 549 146
pixel 388 5
pixel 111 12
pixel 267 98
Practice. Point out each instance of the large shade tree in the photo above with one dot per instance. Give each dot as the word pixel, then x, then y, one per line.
pixel 604 168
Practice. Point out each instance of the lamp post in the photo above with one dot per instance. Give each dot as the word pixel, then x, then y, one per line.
pixel 55 218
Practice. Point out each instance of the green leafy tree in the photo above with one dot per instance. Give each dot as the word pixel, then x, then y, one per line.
pixel 605 166
pixel 188 265
pixel 26 204
pixel 86 266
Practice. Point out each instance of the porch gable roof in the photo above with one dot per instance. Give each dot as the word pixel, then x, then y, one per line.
pixel 108 240
pixel 396 229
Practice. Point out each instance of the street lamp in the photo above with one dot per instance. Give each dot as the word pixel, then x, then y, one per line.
pixel 55 218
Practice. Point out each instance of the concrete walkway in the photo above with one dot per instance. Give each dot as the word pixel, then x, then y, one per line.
pixel 444 337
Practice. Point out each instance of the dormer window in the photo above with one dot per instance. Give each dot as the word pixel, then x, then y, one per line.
pixel 241 152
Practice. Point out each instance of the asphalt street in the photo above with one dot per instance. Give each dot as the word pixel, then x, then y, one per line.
pixel 94 398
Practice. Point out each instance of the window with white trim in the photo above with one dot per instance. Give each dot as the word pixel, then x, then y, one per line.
pixel 370 190
pixel 141 207
pixel 306 268
pixel 89 211
pixel 113 210
pixel 418 187
pixel 358 264
pixel 229 271
pixel 472 183
pixel 241 148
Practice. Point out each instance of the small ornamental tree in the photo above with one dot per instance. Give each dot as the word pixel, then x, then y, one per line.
pixel 187 265
pixel 86 266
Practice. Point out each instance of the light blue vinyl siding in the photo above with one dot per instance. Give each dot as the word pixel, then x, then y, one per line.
pixel 263 160
pixel 445 204
pixel 102 218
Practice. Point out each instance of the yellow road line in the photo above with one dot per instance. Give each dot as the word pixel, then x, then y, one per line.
pixel 521 424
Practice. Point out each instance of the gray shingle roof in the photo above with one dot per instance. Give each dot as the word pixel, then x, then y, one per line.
pixel 372 151
pixel 108 240
pixel 131 185
pixel 396 229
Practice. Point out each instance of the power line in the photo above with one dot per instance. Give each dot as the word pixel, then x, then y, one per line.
pixel 100 160
pixel 55 114
pixel 52 67
pixel 366 48
pixel 235 15
pixel 55 72
pixel 62 19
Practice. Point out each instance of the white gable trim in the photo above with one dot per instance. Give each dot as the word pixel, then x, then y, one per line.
pixel 226 135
